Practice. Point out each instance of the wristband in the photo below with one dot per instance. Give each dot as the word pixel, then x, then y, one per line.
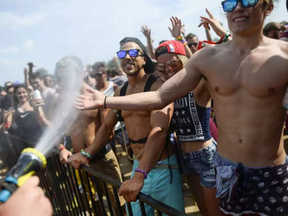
pixel 224 38
pixel 61 149
pixel 141 171
pixel 182 40
pixel 105 102
pixel 86 155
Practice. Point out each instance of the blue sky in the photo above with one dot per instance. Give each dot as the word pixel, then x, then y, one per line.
pixel 45 31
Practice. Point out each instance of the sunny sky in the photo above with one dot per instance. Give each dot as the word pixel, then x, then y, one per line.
pixel 45 31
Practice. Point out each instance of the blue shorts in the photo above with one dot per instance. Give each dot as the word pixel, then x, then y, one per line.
pixel 158 186
pixel 201 163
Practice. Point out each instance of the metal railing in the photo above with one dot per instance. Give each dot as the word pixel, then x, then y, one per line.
pixel 77 192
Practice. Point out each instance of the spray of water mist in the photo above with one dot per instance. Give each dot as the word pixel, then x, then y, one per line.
pixel 64 113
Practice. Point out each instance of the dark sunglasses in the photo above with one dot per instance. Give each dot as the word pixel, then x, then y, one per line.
pixel 161 67
pixel 192 44
pixel 132 53
pixel 94 75
pixel 230 5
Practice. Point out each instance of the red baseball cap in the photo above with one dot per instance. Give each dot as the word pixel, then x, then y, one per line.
pixel 171 46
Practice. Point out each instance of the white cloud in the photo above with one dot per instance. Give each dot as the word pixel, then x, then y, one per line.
pixel 6 62
pixel 29 44
pixel 13 21
pixel 11 49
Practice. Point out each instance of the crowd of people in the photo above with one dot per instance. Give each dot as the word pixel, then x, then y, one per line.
pixel 165 106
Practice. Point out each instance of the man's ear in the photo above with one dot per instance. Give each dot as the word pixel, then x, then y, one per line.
pixel 144 58
pixel 269 8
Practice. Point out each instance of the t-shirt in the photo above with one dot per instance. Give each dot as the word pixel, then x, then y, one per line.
pixel 47 96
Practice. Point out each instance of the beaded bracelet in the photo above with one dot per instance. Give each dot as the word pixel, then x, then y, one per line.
pixel 182 40
pixel 86 155
pixel 141 171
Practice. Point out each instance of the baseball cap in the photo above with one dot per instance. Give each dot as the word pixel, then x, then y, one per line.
pixel 171 46
pixel 149 66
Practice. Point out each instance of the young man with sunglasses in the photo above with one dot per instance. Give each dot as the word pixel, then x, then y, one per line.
pixel 155 170
pixel 247 78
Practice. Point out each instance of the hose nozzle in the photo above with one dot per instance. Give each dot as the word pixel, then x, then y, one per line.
pixel 29 162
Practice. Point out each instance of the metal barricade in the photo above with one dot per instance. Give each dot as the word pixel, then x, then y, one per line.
pixel 76 192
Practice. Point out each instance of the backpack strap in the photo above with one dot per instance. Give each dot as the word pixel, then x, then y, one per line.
pixel 149 83
pixel 122 93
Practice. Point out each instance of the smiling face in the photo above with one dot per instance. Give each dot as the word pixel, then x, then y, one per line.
pixel 244 21
pixel 132 65
pixel 21 94
pixel 168 65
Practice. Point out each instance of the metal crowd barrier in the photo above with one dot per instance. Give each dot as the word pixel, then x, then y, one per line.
pixel 76 192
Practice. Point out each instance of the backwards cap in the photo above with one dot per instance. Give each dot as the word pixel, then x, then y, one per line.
pixel 171 46
pixel 149 66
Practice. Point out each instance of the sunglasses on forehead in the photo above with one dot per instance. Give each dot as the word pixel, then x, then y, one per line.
pixel 66 62
pixel 230 5
pixel 132 53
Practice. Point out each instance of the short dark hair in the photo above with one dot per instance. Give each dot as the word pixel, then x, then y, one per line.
pixel 190 36
pixel 268 27
pixel 37 74
pixel 98 65
pixel 114 71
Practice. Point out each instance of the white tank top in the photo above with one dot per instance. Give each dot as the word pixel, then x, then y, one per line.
pixel 109 91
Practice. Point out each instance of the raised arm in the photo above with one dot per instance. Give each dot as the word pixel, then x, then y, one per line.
pixel 176 87
pixel 177 31
pixel 147 32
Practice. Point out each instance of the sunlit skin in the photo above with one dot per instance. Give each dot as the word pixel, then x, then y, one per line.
pixel 201 194
pixel 21 95
pixel 38 84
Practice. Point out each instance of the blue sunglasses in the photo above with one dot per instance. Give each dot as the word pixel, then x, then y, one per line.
pixel 230 5
pixel 133 53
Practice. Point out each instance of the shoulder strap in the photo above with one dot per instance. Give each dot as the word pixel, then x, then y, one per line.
pixel 149 83
pixel 124 89
pixel 122 93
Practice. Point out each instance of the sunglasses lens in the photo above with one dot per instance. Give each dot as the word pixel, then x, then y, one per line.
pixel 133 52
pixel 249 3
pixel 229 5
pixel 121 54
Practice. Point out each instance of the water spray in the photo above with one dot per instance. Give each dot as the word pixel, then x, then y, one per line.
pixel 29 162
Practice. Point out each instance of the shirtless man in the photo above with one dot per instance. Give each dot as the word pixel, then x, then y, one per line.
pixel 82 131
pixel 247 78
pixel 147 132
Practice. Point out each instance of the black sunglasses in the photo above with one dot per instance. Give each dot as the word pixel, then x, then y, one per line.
pixel 230 5
pixel 132 53
pixel 192 44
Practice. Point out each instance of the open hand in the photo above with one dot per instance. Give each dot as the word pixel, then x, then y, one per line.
pixel 146 31
pixel 214 23
pixel 176 27
pixel 94 100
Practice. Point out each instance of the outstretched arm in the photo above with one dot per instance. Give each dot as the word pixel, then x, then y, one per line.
pixel 176 87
